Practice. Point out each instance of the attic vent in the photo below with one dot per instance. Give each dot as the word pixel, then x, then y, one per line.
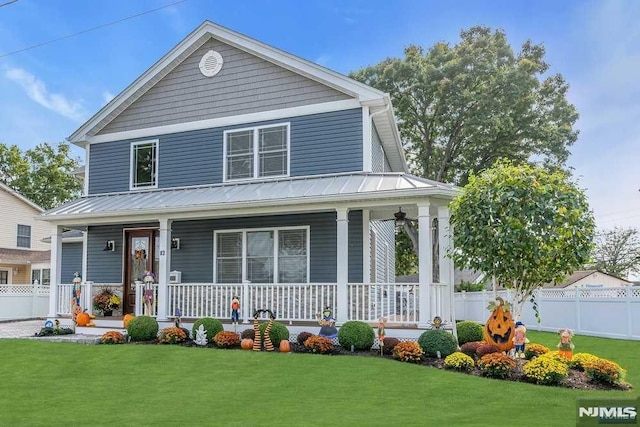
pixel 211 63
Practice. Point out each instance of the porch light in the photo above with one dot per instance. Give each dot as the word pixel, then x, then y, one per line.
pixel 110 246
pixel 401 218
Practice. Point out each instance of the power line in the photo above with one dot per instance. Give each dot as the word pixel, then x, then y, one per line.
pixel 8 3
pixel 90 29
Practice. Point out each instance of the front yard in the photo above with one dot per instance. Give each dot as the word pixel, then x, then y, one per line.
pixel 47 383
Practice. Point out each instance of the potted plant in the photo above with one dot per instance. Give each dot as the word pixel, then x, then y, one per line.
pixel 106 301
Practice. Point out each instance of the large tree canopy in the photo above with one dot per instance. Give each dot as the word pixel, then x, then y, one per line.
pixel 617 251
pixel 462 107
pixel 43 174
pixel 522 225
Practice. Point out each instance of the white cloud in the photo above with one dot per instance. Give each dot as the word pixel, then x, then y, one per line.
pixel 37 91
pixel 107 96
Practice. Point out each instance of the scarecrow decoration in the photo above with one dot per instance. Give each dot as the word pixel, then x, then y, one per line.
pixel 381 333
pixel 565 346
pixel 149 293
pixel 235 312
pixel 520 339
pixel 76 292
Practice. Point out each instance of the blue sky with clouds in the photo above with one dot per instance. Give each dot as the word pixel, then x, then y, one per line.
pixel 46 93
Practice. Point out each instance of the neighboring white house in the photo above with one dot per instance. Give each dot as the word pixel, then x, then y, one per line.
pixel 591 279
pixel 24 256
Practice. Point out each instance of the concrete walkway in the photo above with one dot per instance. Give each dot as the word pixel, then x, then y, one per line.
pixel 28 328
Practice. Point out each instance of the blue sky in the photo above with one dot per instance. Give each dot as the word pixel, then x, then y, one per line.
pixel 46 93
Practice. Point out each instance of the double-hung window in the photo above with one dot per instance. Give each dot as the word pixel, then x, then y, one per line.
pixel 23 236
pixel 144 164
pixel 255 153
pixel 279 255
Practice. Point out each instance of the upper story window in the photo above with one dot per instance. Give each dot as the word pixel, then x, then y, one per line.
pixel 144 164
pixel 257 152
pixel 24 236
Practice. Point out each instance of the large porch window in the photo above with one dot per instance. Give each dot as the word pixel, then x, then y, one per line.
pixel 277 255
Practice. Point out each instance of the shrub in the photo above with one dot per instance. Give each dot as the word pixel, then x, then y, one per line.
pixel 227 339
pixel 604 370
pixel 172 335
pixel 546 370
pixel 469 331
pixel 318 344
pixel 142 328
pixel 496 365
pixel 534 350
pixel 484 349
pixel 303 337
pixel 459 361
pixel 211 325
pixel 248 333
pixel 112 337
pixel 186 331
pixel 357 334
pixel 580 359
pixel 469 348
pixel 46 331
pixel 389 344
pixel 437 340
pixel 408 351
pixel 278 333
pixel 554 355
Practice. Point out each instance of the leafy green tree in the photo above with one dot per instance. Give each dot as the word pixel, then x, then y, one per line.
pixel 462 107
pixel 617 251
pixel 522 225
pixel 43 174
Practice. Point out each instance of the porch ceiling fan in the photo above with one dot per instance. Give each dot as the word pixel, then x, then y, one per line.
pixel 400 218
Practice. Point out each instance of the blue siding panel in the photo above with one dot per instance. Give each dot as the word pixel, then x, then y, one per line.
pixel 195 256
pixel 195 157
pixel 71 261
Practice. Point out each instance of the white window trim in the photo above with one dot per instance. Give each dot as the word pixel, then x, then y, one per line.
pixel 132 163
pixel 18 236
pixel 9 275
pixel 275 249
pixel 256 158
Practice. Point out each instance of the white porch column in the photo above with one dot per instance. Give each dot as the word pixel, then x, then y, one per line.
pixel 164 268
pixel 425 264
pixel 342 265
pixel 445 263
pixel 56 270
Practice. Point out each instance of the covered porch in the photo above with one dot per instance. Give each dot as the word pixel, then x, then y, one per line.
pixel 369 200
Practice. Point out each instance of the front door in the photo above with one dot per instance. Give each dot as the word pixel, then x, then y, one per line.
pixel 142 255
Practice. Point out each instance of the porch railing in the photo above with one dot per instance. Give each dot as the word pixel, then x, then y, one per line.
pixel 291 301
pixel 396 302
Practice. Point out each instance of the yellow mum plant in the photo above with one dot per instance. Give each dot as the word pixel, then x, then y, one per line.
pixel 459 361
pixel 546 370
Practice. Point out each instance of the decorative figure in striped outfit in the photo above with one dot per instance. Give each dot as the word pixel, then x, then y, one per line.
pixel 257 341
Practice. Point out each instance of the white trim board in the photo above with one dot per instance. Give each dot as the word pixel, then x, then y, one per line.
pixel 284 113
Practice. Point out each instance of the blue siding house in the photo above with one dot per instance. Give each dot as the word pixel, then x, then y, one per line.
pixel 232 168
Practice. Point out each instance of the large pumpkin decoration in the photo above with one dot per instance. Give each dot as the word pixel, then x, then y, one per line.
pixel 127 319
pixel 83 319
pixel 500 328
pixel 285 346
pixel 246 344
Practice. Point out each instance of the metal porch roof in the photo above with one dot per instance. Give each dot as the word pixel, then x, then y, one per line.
pixel 316 189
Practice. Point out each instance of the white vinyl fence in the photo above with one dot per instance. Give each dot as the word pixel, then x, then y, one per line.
pixel 600 312
pixel 23 301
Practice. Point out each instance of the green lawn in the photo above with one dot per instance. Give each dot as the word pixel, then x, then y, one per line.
pixel 45 383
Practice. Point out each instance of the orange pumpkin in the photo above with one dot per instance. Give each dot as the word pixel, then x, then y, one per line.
pixel 500 327
pixel 127 319
pixel 285 346
pixel 83 318
pixel 246 344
